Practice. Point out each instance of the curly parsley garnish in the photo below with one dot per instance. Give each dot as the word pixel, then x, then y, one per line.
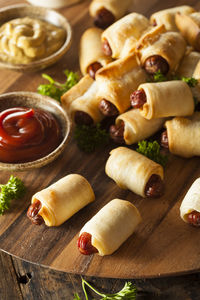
pixel 191 81
pixel 90 137
pixel 159 77
pixel 128 292
pixel 56 89
pixel 152 151
pixel 14 189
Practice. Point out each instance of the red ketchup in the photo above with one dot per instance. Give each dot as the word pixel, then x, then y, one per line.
pixel 27 134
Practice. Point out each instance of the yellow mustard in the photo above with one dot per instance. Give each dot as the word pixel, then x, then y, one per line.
pixel 24 40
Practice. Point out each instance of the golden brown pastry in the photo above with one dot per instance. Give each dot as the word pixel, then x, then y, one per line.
pixel 91 56
pixel 82 102
pixel 121 37
pixel 61 200
pixel 167 16
pixel 159 50
pixel 189 26
pixel 105 12
pixel 190 206
pixel 183 135
pixel 134 171
pixel 109 228
pixel 188 64
pixel 166 99
pixel 116 81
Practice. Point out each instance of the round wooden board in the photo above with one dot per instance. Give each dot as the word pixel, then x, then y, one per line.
pixel 162 245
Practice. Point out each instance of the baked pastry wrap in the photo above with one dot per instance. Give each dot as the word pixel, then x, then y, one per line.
pixel 167 16
pixel 83 97
pixel 112 225
pixel 123 34
pixel 63 199
pixel 91 49
pixel 165 99
pixel 117 80
pixel 131 170
pixel 188 64
pixel 169 45
pixel 191 201
pixel 117 7
pixel 137 128
pixel 184 135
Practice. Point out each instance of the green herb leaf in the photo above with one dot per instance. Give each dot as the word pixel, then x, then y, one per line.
pixel 76 297
pixel 56 89
pixel 191 81
pixel 128 292
pixel 90 137
pixel 159 77
pixel 152 151
pixel 14 189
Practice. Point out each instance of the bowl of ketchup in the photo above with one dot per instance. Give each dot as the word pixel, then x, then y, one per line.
pixel 34 130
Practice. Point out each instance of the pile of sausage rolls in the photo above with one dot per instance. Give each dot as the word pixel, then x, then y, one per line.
pixel 118 61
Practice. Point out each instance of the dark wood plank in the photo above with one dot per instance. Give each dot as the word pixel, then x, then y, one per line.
pixel 162 245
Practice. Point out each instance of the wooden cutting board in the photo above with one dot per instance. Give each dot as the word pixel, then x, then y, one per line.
pixel 163 244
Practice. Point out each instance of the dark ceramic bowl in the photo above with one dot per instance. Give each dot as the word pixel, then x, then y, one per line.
pixel 34 100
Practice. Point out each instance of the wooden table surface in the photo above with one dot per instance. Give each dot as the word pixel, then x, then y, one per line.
pixel 180 174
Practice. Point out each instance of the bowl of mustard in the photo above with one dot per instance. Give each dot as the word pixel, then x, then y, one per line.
pixel 32 38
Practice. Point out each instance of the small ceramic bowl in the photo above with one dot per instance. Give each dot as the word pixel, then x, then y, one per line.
pixel 53 3
pixel 34 100
pixel 21 10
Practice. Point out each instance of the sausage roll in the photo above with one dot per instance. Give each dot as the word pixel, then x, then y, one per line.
pixel 167 16
pixel 134 171
pixel 119 40
pixel 130 127
pixel 189 26
pixel 109 228
pixel 164 99
pixel 190 206
pixel 82 102
pixel 116 81
pixel 61 200
pixel 188 64
pixel 182 136
pixel 91 56
pixel 159 50
pixel 105 12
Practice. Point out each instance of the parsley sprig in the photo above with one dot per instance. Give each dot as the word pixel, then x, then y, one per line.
pixel 152 151
pixel 14 189
pixel 128 292
pixel 159 77
pixel 55 89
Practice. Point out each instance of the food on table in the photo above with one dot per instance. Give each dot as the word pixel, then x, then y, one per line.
pixel 91 56
pixel 130 127
pixel 167 16
pixel 119 39
pixel 160 50
pixel 163 99
pixel 109 228
pixel 182 136
pixel 189 26
pixel 27 134
pixel 61 200
pixel 134 171
pixel 53 3
pixel 105 12
pixel 188 64
pixel 24 40
pixel 82 102
pixel 115 82
pixel 190 206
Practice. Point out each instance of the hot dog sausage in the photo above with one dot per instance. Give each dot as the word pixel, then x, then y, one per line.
pixel 82 118
pixel 164 140
pixel 33 213
pixel 84 244
pixel 106 48
pixel 104 18
pixel 194 218
pixel 117 133
pixel 156 63
pixel 107 108
pixel 154 186
pixel 138 98
pixel 93 68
